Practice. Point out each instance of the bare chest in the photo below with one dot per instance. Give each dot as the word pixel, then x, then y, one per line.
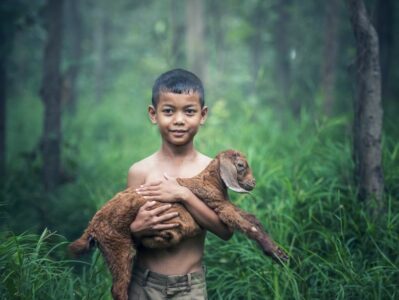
pixel 157 173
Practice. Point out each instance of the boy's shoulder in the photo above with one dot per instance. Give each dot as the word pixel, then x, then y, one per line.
pixel 204 159
pixel 144 164
pixel 139 170
pixel 196 166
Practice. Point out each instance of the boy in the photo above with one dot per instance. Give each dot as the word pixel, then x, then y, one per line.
pixel 178 110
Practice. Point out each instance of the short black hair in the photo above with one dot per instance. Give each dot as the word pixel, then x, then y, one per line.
pixel 178 81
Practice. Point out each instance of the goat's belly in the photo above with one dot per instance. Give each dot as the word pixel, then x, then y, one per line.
pixel 170 237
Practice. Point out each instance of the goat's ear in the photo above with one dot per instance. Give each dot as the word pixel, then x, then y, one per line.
pixel 228 172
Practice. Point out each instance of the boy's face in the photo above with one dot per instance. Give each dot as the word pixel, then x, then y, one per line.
pixel 178 116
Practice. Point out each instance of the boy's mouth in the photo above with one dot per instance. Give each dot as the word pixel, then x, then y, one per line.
pixel 178 132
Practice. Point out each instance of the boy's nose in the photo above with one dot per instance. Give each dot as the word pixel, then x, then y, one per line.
pixel 179 118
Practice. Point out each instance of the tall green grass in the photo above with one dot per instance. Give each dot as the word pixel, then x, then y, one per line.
pixel 305 198
pixel 36 267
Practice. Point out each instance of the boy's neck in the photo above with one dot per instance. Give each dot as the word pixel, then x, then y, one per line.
pixel 178 152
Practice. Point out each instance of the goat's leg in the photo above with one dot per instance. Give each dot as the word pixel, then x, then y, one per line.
pixel 118 253
pixel 251 226
pixel 251 219
pixel 278 253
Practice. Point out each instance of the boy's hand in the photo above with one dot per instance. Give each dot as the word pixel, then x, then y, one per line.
pixel 164 191
pixel 149 220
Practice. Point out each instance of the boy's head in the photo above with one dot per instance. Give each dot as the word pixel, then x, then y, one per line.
pixel 177 81
pixel 178 106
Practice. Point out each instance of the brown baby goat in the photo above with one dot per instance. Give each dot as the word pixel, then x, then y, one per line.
pixel 110 230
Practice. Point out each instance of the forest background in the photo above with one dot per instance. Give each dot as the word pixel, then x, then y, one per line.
pixel 280 82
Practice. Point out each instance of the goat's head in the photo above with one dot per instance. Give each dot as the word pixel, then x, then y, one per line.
pixel 235 171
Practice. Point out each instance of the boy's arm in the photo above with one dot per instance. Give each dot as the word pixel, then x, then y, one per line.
pixel 171 191
pixel 205 216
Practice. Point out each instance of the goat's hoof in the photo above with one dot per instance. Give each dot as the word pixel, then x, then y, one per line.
pixel 167 236
pixel 280 256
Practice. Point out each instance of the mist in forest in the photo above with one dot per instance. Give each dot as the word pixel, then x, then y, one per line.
pixel 306 89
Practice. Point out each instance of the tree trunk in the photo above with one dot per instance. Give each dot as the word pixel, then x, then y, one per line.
pixel 216 11
pixel 177 24
pixel 257 20
pixel 3 95
pixel 70 93
pixel 9 14
pixel 51 94
pixel 385 26
pixel 368 110
pixel 99 37
pixel 282 62
pixel 331 42
pixel 195 37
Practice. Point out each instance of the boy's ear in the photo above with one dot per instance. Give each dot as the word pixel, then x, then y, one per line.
pixel 152 113
pixel 204 115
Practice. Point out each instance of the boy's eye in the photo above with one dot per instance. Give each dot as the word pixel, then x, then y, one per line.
pixel 167 111
pixel 190 111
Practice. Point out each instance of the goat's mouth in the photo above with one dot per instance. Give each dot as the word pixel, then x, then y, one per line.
pixel 248 185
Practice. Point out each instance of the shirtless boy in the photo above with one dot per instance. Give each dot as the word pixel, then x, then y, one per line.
pixel 178 110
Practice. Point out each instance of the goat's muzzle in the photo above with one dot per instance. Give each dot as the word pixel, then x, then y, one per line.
pixel 248 185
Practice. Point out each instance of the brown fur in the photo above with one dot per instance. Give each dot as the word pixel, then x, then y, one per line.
pixel 110 226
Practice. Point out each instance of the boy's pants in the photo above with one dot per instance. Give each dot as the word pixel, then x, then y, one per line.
pixel 153 286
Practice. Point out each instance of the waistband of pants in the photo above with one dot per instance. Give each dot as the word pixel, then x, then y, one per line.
pixel 145 276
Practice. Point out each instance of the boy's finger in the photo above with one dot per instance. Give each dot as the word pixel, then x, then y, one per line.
pixel 167 216
pixel 149 204
pixel 165 226
pixel 167 177
pixel 151 184
pixel 147 188
pixel 152 196
pixel 160 209
pixel 161 199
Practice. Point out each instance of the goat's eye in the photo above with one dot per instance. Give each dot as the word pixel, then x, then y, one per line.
pixel 240 166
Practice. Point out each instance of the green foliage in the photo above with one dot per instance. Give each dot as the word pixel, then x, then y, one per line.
pixel 305 194
pixel 306 200
pixel 35 267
